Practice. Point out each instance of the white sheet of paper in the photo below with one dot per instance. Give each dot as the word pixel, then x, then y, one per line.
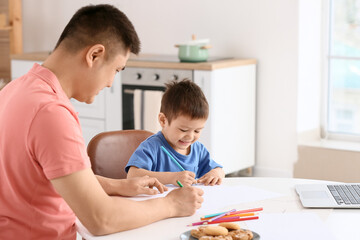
pixel 225 195
pixel 232 195
pixel 294 226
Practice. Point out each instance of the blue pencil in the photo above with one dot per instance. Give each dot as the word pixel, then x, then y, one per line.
pixel 172 158
pixel 221 215
pixel 213 215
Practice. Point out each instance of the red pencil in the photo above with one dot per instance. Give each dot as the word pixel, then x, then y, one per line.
pixel 236 220
pixel 223 220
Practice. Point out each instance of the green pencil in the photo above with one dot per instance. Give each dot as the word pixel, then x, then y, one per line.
pixel 179 183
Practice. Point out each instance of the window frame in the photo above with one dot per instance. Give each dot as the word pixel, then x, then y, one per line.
pixel 325 95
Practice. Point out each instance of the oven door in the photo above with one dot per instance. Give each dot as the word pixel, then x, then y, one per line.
pixel 141 106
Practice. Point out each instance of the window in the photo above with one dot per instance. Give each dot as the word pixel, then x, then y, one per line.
pixel 343 70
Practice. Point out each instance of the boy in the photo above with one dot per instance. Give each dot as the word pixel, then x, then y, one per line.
pixel 173 154
pixel 45 174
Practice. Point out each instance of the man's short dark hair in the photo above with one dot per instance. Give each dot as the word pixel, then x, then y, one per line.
pixel 184 98
pixel 100 24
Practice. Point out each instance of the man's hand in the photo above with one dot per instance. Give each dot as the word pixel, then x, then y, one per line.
pixel 143 185
pixel 184 201
pixel 131 186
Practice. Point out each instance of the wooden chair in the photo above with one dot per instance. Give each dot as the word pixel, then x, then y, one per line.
pixel 109 152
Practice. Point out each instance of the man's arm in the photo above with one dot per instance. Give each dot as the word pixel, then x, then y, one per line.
pixel 131 187
pixel 102 214
pixel 185 177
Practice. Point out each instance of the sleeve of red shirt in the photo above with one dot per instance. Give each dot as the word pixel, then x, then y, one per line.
pixel 55 141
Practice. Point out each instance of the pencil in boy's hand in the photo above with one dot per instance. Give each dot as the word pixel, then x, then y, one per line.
pixel 179 183
pixel 172 158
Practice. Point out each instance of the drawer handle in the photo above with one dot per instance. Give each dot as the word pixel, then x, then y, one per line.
pixel 129 91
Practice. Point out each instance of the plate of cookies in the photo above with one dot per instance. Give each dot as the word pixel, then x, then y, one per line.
pixel 223 231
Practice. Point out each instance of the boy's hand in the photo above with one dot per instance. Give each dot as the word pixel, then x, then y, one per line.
pixel 185 201
pixel 213 177
pixel 185 177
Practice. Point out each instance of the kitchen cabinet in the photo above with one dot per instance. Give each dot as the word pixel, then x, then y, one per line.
pixel 102 115
pixel 10 36
pixel 228 84
pixel 229 133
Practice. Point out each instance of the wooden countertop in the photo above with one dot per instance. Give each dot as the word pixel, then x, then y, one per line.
pixel 156 61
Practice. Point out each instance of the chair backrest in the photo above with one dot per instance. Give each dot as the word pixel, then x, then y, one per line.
pixel 109 152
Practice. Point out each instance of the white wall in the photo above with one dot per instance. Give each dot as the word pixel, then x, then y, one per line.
pixel 310 64
pixel 262 29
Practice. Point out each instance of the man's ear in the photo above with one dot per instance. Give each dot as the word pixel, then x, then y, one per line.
pixel 162 119
pixel 94 53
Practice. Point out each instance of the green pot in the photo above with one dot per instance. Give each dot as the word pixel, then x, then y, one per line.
pixel 193 53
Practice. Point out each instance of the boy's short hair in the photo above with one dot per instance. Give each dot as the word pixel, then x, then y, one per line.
pixel 100 24
pixel 184 98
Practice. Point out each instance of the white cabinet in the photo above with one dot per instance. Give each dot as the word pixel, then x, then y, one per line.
pixel 102 115
pixel 20 67
pixel 229 133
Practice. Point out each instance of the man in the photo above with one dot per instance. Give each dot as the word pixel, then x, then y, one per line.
pixel 45 172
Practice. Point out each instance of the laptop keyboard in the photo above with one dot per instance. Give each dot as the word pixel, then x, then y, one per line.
pixel 345 194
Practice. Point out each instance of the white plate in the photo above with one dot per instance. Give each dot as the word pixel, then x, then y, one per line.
pixel 187 236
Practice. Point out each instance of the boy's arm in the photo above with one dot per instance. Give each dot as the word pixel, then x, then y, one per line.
pixel 102 214
pixel 185 177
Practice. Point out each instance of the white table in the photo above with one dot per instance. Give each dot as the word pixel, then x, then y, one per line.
pixel 341 224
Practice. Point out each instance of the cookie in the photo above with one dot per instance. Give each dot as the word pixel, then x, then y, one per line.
pixel 215 230
pixel 230 225
pixel 227 237
pixel 250 234
pixel 198 232
pixel 241 234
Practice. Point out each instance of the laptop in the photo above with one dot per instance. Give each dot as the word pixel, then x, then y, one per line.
pixel 329 195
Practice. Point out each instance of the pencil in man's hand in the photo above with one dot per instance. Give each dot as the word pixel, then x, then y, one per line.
pixel 179 183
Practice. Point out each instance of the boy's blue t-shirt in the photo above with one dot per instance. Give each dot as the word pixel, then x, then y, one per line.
pixel 150 156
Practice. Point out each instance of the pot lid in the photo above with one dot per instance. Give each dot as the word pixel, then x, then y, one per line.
pixel 195 41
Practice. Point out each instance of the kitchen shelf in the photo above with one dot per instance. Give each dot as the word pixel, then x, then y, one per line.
pixel 136 61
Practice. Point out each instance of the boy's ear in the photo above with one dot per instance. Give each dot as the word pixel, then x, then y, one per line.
pixel 94 53
pixel 162 119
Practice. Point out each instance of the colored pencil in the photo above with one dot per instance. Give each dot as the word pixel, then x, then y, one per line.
pixel 237 212
pixel 212 215
pixel 221 215
pixel 248 210
pixel 179 183
pixel 237 219
pixel 233 215
pixel 172 158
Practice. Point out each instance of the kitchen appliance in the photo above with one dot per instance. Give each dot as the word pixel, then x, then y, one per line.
pixel 142 89
pixel 194 51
